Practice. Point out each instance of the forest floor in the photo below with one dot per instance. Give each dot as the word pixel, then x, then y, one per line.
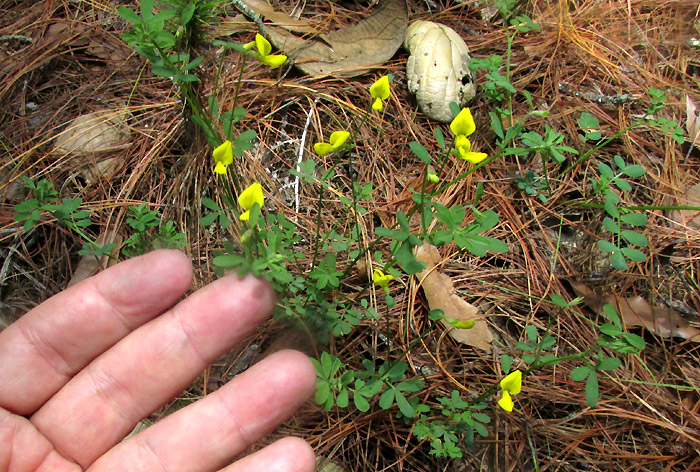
pixel 60 60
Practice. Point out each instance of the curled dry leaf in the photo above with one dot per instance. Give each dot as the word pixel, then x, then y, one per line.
pixel 278 18
pixel 349 51
pixel 688 218
pixel 636 311
pixel 692 122
pixel 439 291
pixel 101 131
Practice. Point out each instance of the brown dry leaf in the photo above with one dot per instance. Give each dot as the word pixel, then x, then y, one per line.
pixel 636 311
pixel 352 50
pixel 692 122
pixel 90 265
pixel 278 18
pixel 439 291
pixel 688 218
pixel 100 131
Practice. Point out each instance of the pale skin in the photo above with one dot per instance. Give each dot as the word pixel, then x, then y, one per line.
pixel 79 371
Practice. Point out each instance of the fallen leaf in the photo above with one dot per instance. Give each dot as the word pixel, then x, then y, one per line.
pixel 439 291
pixel 636 311
pixel 688 218
pixel 349 51
pixel 101 131
pixel 278 18
pixel 692 122
pixel 90 265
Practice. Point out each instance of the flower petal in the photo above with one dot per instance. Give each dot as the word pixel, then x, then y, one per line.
pixel 474 157
pixel 322 148
pixel 462 144
pixel 513 382
pixel 506 402
pixel 378 104
pixel 224 153
pixel 245 216
pixel 274 60
pixel 220 168
pixel 463 123
pixel 250 196
pixel 381 89
pixel 264 47
pixel 381 279
pixel 338 138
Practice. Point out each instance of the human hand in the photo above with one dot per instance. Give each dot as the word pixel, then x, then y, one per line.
pixel 79 371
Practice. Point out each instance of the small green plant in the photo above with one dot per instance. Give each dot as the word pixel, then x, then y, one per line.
pixel 620 220
pixel 532 184
pixel 142 221
pixel 67 213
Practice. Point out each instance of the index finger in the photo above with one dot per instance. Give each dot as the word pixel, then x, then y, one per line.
pixel 47 346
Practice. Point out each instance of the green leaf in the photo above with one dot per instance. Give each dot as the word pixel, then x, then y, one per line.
pixel 147 8
pixel 634 171
pixel 635 219
pixel 531 334
pixel 360 402
pixel 407 260
pixel 635 238
pixel 404 406
pixel 387 399
pixel 617 260
pixel 607 246
pixel 478 194
pixel 186 77
pixel 610 330
pixel 229 44
pixel 633 254
pixel 588 122
pixel 496 124
pixel 211 204
pixel 194 63
pixel 506 363
pixel 187 13
pixel 611 209
pixel 580 373
pixel 129 15
pixel 623 185
pixel 439 137
pixel 609 363
pixel 606 171
pixel 342 400
pixel 559 301
pixel 323 392
pixel 420 152
pixel 206 220
pixel 611 313
pixel 592 395
pixel 611 225
pixel 634 340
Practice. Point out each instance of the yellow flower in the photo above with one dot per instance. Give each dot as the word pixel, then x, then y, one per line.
pixel 264 49
pixel 462 126
pixel 250 197
pixel 336 140
pixel 510 385
pixel 380 91
pixel 223 156
pixel 433 177
pixel 382 280
pixel 463 123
